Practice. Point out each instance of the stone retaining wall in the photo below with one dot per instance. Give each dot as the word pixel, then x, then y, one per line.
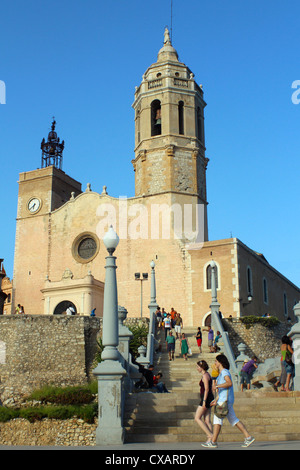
pixel 48 432
pixel 47 349
pixel 263 342
pixel 42 349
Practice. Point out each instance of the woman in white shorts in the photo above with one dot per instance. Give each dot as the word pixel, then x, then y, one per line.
pixel 224 387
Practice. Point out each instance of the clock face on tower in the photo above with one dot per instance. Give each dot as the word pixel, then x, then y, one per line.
pixel 34 205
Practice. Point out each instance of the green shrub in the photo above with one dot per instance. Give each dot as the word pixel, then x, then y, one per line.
pixel 98 355
pixel 32 414
pixel 65 395
pixel 86 413
pixel 6 414
pixel 251 320
pixel 140 333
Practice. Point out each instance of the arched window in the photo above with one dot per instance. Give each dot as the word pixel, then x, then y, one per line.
pixel 138 124
pixel 285 305
pixel 181 117
pixel 265 291
pixel 249 282
pixel 155 118
pixel 199 125
pixel 208 277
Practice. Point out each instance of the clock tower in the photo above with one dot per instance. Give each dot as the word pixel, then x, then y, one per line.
pixel 46 189
pixel 41 192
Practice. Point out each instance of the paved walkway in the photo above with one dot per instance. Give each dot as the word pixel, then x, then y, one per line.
pixel 184 448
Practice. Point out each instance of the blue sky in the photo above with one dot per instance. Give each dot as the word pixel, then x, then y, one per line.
pixel 80 62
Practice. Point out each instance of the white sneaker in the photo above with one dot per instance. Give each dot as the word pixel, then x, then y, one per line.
pixel 248 441
pixel 210 444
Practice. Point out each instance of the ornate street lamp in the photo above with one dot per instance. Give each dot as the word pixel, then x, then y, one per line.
pixel 109 372
pixel 141 278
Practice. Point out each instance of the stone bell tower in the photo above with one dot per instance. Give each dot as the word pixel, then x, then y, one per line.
pixel 169 130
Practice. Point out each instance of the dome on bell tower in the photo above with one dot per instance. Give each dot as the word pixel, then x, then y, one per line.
pixel 167 52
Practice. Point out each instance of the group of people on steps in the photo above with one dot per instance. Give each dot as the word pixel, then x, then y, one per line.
pixel 215 389
pixel 168 322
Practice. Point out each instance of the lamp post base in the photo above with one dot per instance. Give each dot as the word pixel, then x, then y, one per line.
pixel 109 436
pixel 110 375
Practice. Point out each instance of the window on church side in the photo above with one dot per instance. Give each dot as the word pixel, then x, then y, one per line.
pixel 285 305
pixel 249 282
pixel 155 118
pixel 265 291
pixel 138 124
pixel 208 277
pixel 199 125
pixel 181 117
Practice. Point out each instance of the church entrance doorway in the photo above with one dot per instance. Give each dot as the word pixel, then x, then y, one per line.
pixel 61 308
pixel 207 320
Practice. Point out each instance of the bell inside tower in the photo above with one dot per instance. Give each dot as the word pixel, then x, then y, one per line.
pixel 155 118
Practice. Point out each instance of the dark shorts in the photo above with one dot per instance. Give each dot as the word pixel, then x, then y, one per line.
pixel 289 367
pixel 245 378
pixel 171 347
pixel 209 399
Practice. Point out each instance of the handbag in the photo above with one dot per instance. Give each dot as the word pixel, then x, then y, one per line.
pixel 288 357
pixel 221 411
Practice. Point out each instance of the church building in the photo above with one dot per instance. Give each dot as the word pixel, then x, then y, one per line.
pixel 59 253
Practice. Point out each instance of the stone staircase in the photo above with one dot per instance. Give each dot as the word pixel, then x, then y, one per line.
pixel 169 417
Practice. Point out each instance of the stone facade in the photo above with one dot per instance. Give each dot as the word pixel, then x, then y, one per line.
pixel 238 266
pixel 7 289
pixel 86 294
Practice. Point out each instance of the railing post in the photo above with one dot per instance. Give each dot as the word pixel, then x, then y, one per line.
pixel 217 325
pixel 242 357
pixel 294 334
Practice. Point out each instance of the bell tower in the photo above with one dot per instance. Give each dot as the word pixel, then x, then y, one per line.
pixel 169 130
